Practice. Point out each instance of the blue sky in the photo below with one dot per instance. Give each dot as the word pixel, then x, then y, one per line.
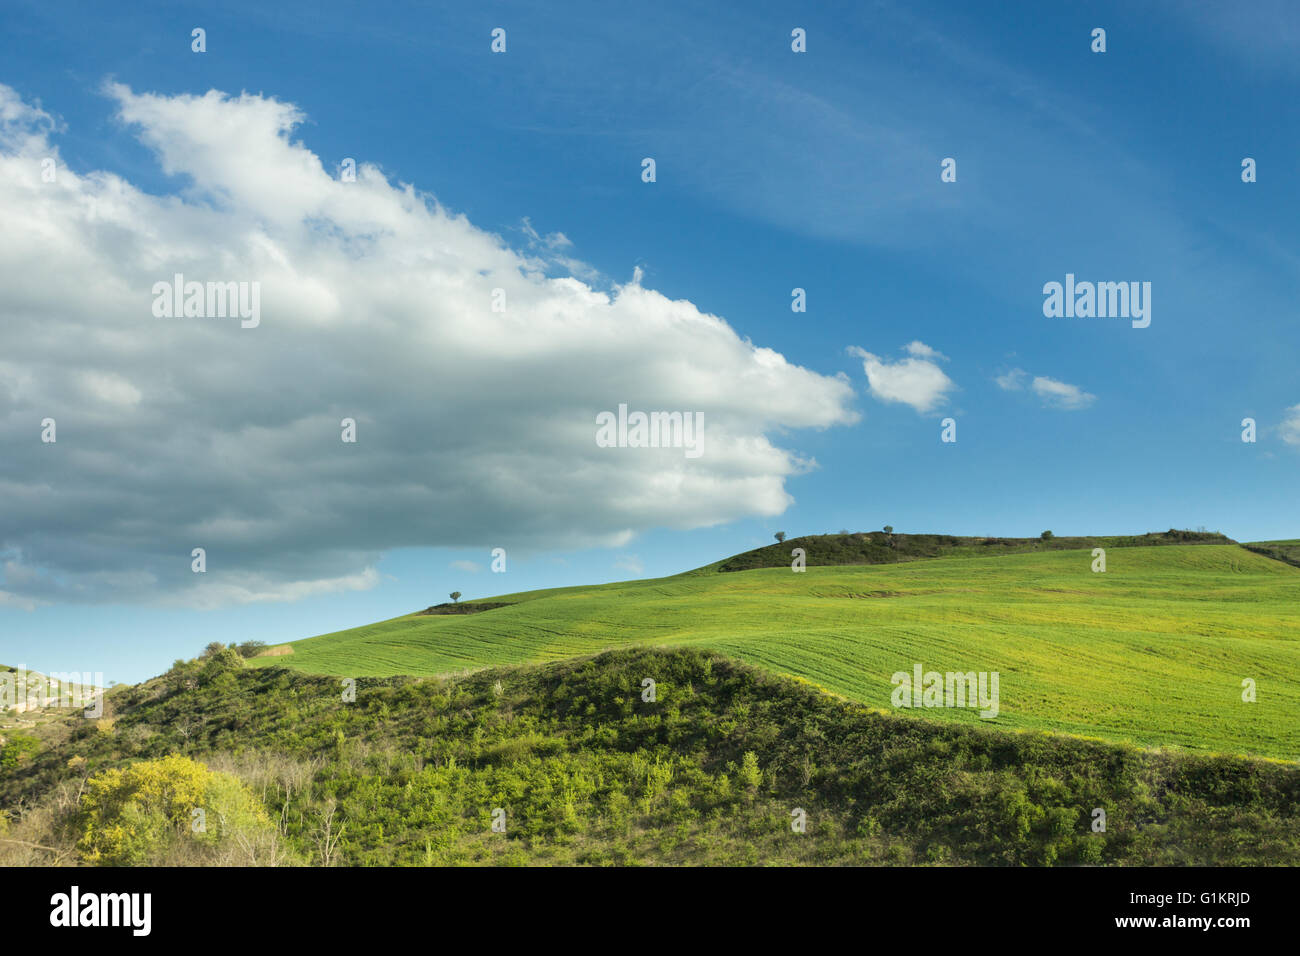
pixel 775 170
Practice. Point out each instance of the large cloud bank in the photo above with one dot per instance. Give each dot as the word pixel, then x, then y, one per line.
pixel 474 427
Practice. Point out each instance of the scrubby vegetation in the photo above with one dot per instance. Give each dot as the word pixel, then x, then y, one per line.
pixel 16 748
pixel 587 771
pixel 886 547
pixel 157 812
pixel 469 607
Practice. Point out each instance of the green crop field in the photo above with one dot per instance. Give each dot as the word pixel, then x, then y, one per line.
pixel 1154 651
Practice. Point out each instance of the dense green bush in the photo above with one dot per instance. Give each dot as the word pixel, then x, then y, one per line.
pixel 885 547
pixel 17 748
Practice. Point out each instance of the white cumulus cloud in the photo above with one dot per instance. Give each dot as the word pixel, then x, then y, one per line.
pixel 474 427
pixel 919 349
pixel 916 381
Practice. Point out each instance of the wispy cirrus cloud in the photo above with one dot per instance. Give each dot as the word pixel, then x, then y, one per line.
pixel 1012 381
pixel 1053 392
pixel 1290 427
pixel 630 563
pixel 1061 394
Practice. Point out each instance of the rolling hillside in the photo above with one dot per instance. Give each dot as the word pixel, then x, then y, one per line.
pixel 580 769
pixel 1153 652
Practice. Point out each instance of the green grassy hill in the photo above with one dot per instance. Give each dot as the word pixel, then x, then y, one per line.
pixel 586 771
pixel 1153 652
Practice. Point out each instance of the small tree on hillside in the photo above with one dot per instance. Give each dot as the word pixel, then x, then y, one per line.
pixel 455 595
pixel 889 529
pixel 1047 536
pixel 780 536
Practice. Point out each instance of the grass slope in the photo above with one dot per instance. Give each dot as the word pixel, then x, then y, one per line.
pixel 587 772
pixel 1152 652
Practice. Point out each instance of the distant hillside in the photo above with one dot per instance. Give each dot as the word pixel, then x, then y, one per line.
pixel 1288 551
pixel 28 696
pixel 877 547
pixel 580 769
